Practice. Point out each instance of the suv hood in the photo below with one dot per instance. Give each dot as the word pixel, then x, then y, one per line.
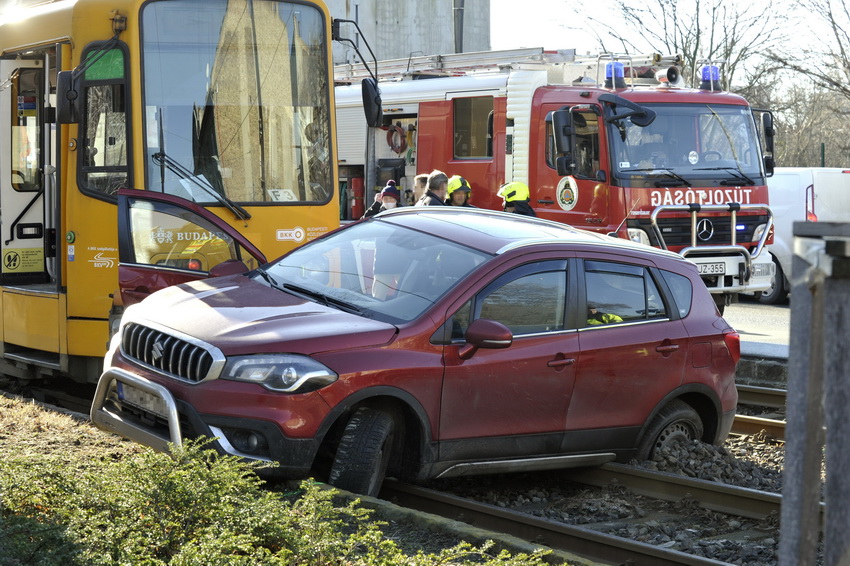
pixel 241 316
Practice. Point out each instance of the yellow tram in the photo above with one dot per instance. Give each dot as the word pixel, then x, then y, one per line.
pixel 225 103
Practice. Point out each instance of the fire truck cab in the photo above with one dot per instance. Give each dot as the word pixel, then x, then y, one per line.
pixel 612 144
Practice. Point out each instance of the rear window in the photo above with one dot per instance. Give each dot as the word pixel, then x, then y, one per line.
pixel 682 291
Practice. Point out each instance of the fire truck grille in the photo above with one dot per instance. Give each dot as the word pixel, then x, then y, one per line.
pixel 677 231
pixel 167 353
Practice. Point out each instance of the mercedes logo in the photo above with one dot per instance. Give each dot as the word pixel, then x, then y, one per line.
pixel 157 350
pixel 705 229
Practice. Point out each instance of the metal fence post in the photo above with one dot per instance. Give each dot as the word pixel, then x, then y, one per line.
pixel 818 396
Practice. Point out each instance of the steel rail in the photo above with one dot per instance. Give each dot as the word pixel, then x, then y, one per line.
pixel 733 500
pixel 761 396
pixel 595 546
pixel 745 424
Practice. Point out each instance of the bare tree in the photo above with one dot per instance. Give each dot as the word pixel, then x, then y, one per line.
pixel 826 61
pixel 699 30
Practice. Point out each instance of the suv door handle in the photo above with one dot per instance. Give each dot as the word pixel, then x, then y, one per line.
pixel 561 362
pixel 667 349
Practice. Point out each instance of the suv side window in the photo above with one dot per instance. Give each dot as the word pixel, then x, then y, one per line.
pixel 528 300
pixel 619 292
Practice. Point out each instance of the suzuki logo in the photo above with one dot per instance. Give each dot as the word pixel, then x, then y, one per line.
pixel 705 229
pixel 157 351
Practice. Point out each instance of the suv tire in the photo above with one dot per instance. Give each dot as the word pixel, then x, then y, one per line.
pixel 363 453
pixel 675 423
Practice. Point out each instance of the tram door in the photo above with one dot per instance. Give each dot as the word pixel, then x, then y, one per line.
pixel 27 180
pixel 31 308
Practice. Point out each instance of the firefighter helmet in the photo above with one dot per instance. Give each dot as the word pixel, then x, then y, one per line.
pixel 457 183
pixel 514 191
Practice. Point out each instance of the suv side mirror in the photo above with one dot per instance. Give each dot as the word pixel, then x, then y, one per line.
pixel 484 333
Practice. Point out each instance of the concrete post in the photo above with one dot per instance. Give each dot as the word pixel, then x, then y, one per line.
pixel 818 364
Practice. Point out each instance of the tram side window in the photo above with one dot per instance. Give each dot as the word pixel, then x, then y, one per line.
pixel 103 152
pixel 473 127
pixel 26 133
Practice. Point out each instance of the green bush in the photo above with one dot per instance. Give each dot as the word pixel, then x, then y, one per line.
pixel 191 507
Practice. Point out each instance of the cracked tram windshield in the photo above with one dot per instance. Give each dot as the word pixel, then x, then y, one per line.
pixel 236 104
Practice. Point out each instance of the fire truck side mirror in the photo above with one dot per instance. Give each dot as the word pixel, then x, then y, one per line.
pixel 564 164
pixel 372 102
pixel 769 133
pixel 67 98
pixel 769 165
pixel 562 129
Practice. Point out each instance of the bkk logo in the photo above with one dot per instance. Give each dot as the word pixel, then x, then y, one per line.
pixel 296 234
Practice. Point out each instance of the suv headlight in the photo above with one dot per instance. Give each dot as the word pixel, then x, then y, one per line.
pixel 287 373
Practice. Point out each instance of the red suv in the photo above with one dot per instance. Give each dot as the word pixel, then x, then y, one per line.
pixel 429 342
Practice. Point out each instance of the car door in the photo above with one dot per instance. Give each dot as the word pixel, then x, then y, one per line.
pixel 633 351
pixel 513 401
pixel 165 240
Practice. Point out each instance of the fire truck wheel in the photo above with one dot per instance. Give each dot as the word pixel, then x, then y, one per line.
pixel 778 292
pixel 364 452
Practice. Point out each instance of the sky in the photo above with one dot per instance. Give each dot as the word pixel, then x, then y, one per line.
pixel 550 24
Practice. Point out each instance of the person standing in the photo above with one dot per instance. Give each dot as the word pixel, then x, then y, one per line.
pixel 437 189
pixel 458 191
pixel 389 198
pixel 516 198
pixel 420 186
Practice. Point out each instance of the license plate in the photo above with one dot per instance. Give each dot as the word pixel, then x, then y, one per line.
pixel 712 268
pixel 141 399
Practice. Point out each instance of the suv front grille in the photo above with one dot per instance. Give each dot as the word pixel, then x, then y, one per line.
pixel 162 351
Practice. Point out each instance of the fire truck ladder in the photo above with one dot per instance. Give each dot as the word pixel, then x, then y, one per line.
pixel 564 61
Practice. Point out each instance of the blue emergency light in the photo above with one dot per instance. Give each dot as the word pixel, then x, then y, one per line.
pixel 614 75
pixel 710 78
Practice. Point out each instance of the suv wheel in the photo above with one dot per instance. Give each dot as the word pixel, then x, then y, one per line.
pixel 676 423
pixel 364 452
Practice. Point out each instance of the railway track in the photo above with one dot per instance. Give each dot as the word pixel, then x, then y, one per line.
pixel 588 540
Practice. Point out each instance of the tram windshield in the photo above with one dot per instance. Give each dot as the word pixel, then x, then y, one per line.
pixel 236 101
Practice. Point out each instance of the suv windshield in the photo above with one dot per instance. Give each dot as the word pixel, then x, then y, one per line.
pixel 376 269
pixel 688 144
pixel 236 100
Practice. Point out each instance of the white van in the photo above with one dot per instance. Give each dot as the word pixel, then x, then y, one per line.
pixel 798 194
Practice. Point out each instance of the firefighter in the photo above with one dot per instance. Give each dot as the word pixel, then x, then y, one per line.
pixel 437 189
pixel 515 198
pixel 458 191
pixel 595 317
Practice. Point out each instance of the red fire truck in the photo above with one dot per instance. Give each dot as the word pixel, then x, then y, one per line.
pixel 613 144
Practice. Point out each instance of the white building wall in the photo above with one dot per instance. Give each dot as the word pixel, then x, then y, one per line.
pixel 396 29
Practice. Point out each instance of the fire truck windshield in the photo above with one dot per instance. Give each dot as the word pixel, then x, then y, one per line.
pixel 688 144
pixel 236 100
